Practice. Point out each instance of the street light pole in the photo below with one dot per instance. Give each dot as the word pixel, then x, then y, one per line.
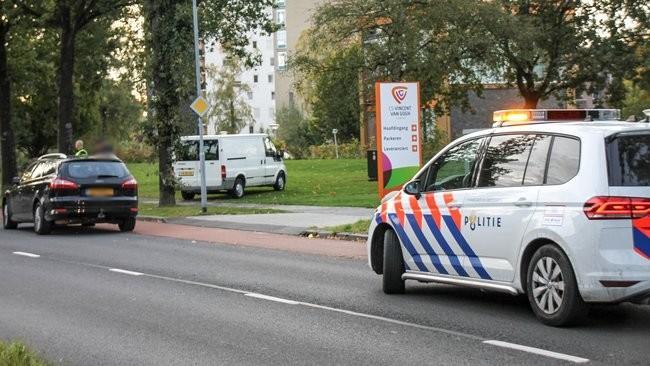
pixel 197 70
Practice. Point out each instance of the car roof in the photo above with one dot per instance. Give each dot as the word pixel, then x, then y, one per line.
pixel 600 128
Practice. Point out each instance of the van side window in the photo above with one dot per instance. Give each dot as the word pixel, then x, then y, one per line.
pixel 211 148
pixel 536 167
pixel 269 147
pixel 564 160
pixel 454 169
pixel 505 161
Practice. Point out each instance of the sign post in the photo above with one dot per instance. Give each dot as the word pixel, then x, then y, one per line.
pixel 200 106
pixel 399 142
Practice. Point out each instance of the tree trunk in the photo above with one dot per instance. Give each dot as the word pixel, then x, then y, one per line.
pixel 66 86
pixel 164 103
pixel 7 142
pixel 530 99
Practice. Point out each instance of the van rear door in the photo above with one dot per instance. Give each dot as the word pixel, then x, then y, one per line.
pixel 186 166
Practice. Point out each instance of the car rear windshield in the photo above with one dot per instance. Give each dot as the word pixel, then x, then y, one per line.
pixel 629 160
pixel 94 169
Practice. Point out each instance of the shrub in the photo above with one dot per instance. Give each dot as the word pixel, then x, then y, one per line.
pixel 17 354
pixel 136 152
pixel 348 150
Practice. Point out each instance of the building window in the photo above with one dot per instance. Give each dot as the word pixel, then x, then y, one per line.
pixel 255 78
pixel 249 94
pixel 270 78
pixel 291 98
pixel 272 61
pixel 251 128
pixel 282 60
pixel 279 2
pixel 272 95
pixel 254 44
pixel 281 39
pixel 280 17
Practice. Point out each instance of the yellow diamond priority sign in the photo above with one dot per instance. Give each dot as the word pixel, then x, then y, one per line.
pixel 200 106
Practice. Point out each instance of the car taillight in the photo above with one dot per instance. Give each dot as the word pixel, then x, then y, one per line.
pixel 614 207
pixel 130 184
pixel 60 184
pixel 223 172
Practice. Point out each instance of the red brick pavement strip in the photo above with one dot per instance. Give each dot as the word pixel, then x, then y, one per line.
pixel 327 247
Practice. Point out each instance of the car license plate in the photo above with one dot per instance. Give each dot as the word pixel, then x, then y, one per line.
pixel 187 173
pixel 100 192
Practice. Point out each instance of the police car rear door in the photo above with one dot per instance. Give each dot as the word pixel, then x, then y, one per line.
pixel 497 212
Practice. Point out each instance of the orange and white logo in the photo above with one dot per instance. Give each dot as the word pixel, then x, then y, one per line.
pixel 399 93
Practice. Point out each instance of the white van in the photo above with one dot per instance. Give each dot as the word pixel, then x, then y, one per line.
pixel 232 163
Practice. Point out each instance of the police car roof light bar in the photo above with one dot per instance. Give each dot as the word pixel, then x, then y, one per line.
pixel 513 117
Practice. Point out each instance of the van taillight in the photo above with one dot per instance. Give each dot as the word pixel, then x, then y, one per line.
pixel 60 184
pixel 223 172
pixel 614 207
pixel 130 184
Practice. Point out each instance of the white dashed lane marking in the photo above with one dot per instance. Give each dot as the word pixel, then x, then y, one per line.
pixel 538 351
pixel 124 271
pixel 25 254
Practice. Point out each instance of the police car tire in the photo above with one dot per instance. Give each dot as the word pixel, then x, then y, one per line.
pixel 187 196
pixel 573 309
pixel 393 264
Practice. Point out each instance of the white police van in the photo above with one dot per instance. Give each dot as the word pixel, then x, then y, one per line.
pixel 551 203
pixel 232 163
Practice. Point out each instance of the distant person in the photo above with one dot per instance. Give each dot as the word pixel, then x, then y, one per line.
pixel 79 147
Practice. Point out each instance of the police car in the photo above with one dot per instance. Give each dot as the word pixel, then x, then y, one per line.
pixel 554 204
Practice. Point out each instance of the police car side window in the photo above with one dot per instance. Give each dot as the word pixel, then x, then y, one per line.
pixel 505 161
pixel 454 169
pixel 536 166
pixel 564 161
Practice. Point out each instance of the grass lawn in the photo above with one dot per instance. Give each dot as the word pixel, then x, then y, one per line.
pixel 183 211
pixel 359 227
pixel 309 182
pixel 16 354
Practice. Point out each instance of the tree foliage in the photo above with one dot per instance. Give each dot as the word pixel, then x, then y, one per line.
pixel 230 111
pixel 294 131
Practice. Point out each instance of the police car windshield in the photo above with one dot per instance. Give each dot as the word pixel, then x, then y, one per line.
pixel 629 160
pixel 94 169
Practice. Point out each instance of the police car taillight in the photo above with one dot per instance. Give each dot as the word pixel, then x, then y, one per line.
pixel 511 117
pixel 609 207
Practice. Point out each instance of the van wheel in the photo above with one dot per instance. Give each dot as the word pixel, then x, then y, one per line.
pixel 552 288
pixel 280 182
pixel 127 225
pixel 7 222
pixel 187 196
pixel 237 190
pixel 41 225
pixel 393 264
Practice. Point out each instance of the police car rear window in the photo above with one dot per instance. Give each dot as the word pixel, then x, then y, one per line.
pixel 629 160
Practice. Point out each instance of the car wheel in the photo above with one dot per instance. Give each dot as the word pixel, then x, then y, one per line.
pixel 187 196
pixel 280 182
pixel 7 222
pixel 238 189
pixel 393 264
pixel 127 225
pixel 41 225
pixel 552 288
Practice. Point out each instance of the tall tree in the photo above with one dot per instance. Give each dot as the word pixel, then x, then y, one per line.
pixel 70 17
pixel 230 111
pixel 550 47
pixel 171 60
pixel 8 15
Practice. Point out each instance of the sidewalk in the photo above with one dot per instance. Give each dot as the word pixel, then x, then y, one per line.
pixel 332 248
pixel 295 220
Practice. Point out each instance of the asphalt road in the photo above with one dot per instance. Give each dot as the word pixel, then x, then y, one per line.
pixel 206 304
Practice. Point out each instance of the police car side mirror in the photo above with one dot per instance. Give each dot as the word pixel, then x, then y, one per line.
pixel 413 188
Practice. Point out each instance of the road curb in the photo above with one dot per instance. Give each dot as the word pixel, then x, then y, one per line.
pixel 152 219
pixel 331 235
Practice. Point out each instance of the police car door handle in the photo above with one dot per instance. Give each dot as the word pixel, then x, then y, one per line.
pixel 522 202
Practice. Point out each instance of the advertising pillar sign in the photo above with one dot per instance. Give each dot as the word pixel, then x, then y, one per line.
pixel 399 144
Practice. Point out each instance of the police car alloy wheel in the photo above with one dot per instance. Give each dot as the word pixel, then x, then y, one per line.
pixel 393 264
pixel 552 288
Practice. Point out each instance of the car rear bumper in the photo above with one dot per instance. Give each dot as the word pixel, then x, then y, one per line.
pixel 86 209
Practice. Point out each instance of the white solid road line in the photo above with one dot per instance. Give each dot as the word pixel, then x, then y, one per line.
pixel 538 351
pixel 271 298
pixel 25 254
pixel 124 271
